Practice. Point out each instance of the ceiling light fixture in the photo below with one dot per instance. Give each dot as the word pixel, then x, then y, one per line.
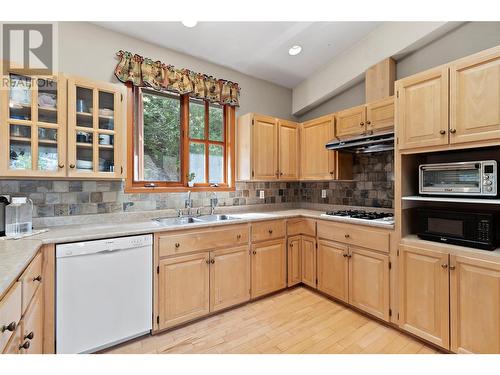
pixel 294 50
pixel 190 23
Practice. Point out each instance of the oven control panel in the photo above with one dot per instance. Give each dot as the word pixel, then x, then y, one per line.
pixel 489 181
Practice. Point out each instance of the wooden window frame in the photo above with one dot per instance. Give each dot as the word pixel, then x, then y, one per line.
pixel 132 186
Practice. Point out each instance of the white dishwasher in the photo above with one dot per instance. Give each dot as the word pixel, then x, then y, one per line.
pixel 104 292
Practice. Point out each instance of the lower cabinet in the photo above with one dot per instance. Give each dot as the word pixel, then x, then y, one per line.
pixel 333 271
pixel 475 305
pixel 294 261
pixel 355 275
pixel 229 277
pixel 452 301
pixel 32 326
pixel 268 267
pixel 14 344
pixel 308 260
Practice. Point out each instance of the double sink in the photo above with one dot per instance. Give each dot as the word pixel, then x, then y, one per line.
pixel 194 220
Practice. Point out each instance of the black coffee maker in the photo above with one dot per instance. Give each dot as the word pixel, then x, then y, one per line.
pixel 3 203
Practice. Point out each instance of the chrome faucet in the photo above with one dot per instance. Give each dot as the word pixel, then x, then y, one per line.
pixel 213 202
pixel 188 203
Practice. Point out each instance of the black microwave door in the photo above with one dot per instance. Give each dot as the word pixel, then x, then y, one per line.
pixel 441 224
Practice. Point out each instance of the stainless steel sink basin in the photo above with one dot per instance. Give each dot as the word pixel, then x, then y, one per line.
pixel 177 220
pixel 209 218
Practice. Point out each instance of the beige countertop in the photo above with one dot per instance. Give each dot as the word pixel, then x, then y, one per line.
pixel 15 255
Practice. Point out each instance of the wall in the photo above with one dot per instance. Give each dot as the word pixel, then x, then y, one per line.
pixel 89 50
pixel 470 38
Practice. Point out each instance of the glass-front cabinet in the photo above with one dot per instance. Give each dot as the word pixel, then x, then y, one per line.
pixel 94 147
pixel 33 124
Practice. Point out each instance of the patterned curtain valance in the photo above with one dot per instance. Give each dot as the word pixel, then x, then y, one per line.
pixel 142 71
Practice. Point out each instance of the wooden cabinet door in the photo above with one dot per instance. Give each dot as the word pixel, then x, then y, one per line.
pixel 333 276
pixel 351 122
pixel 264 148
pixel 229 277
pixel 308 248
pixel 475 97
pixel 422 109
pixel 33 325
pixel 95 129
pixel 380 115
pixel 14 344
pixel 294 261
pixel 183 289
pixel 289 152
pixel 475 305
pixel 369 281
pixel 268 267
pixel 424 294
pixel 316 162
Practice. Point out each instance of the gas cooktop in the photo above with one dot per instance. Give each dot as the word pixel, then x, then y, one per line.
pixel 362 216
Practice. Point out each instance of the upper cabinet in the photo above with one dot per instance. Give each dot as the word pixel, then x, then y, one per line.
pixel 351 122
pixel 33 127
pixel 94 142
pixel 472 85
pixel 267 148
pixel 475 97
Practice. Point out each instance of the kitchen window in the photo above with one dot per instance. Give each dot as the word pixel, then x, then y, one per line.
pixel 176 141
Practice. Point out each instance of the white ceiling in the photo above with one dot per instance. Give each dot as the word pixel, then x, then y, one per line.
pixel 259 49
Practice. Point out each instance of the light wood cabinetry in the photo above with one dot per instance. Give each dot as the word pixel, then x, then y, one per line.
pixel 294 261
pixel 316 162
pixel 351 122
pixel 229 277
pixel 475 97
pixel 379 80
pixel 288 149
pixel 264 148
pixel 308 260
pixel 10 313
pixel 333 277
pixel 268 267
pixel 423 109
pixel 268 230
pixel 31 280
pixel 369 281
pixel 14 345
pixel 184 289
pixel 475 305
pixel 380 115
pixel 94 131
pixel 423 294
pixel 33 126
pixel 32 326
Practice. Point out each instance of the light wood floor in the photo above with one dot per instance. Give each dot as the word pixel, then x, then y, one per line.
pixel 294 321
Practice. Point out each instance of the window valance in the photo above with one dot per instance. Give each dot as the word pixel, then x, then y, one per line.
pixel 142 71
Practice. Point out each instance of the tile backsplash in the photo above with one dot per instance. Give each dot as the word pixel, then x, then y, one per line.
pixel 372 186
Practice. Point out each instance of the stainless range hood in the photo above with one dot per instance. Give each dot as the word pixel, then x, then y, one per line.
pixel 364 144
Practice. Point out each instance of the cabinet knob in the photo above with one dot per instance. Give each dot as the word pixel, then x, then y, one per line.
pixel 238 236
pixel 25 345
pixel 442 132
pixel 291 245
pixel 453 131
pixel 177 245
pixel 281 173
pixel 444 265
pixel 212 261
pixel 331 172
pixel 38 278
pixel 344 255
pixel 368 122
pixel 452 267
pixel 30 336
pixel 349 255
pixel 72 166
pixel 61 165
pixel 254 252
pixel 9 327
pixel 346 236
pixel 270 231
pixel 361 124
pixel 207 261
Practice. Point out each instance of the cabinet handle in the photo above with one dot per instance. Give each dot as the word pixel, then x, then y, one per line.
pixel 9 327
pixel 344 255
pixel 349 255
pixel 38 278
pixel 442 132
pixel 177 245
pixel 444 265
pixel 291 245
pixel 238 236
pixel 346 236
pixel 361 124
pixel 452 267
pixel 212 261
pixel 61 165
pixel 72 166
pixel 270 231
pixel 453 131
pixel 207 261
pixel 25 345
pixel 368 122
pixel 254 252
pixel 281 173
pixel 30 336
pixel 331 172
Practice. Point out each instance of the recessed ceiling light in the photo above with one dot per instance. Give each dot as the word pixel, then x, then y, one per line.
pixel 294 50
pixel 190 23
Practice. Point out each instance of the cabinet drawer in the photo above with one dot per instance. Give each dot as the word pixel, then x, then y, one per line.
pixel 268 230
pixel 306 227
pixel 10 313
pixel 30 280
pixel 354 235
pixel 174 243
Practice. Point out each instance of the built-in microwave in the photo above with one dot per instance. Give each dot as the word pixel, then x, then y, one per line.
pixel 472 178
pixel 480 230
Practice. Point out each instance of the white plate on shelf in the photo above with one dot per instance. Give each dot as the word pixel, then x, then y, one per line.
pixel 84 164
